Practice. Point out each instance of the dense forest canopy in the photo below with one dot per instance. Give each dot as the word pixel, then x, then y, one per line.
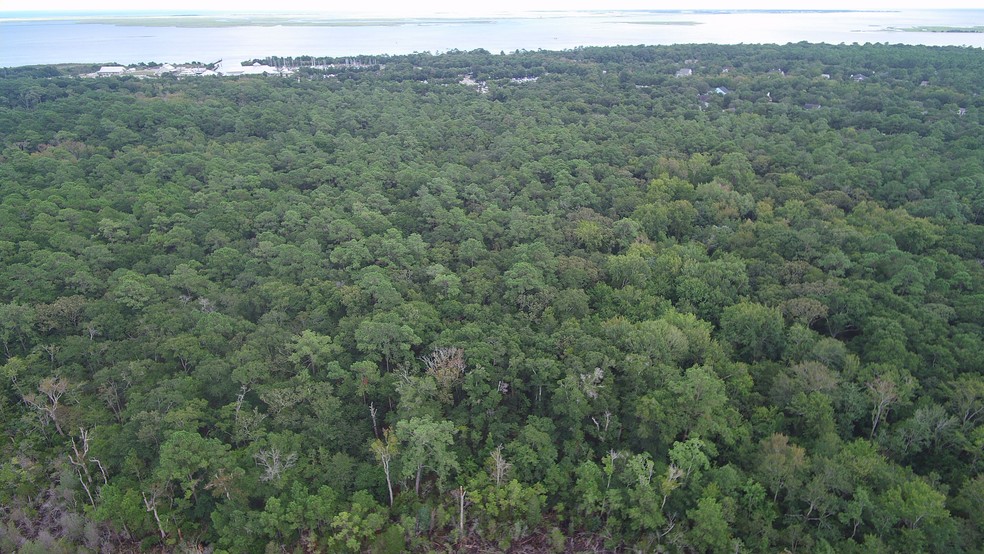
pixel 544 301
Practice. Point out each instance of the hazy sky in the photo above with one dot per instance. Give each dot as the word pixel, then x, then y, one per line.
pixel 431 7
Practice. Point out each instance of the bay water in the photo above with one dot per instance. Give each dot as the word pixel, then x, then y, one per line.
pixel 38 38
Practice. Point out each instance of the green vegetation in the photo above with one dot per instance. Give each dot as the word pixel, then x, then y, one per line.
pixel 606 309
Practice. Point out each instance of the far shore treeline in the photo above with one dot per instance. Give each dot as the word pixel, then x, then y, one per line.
pixel 687 298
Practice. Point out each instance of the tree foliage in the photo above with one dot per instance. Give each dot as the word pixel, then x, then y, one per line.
pixel 380 310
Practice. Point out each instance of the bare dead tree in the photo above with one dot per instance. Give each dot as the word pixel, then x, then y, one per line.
pixel 240 398
pixel 51 350
pixel 612 456
pixel 221 483
pixel 603 427
pixel 670 483
pixel 274 463
pixel 446 365
pixel 110 394
pixel 102 470
pixel 79 458
pixel 498 466
pixel 52 389
pixel 885 393
pixel 670 524
pixel 591 382
pixel 150 504
pixel 372 414
pixel 462 498
pixel 385 449
pixel 967 399
pixel 247 423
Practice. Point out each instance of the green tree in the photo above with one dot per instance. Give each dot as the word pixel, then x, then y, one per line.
pixel 386 335
pixel 781 464
pixel 710 531
pixel 354 529
pixel 755 331
pixel 426 445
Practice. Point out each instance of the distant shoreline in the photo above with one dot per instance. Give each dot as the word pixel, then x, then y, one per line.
pixel 99 37
pixel 662 23
pixel 937 29
pixel 207 19
pixel 140 18
pixel 217 22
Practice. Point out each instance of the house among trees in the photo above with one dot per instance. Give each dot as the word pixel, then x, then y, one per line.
pixel 110 70
pixel 685 72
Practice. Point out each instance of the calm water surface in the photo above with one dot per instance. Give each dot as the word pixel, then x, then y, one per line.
pixel 25 42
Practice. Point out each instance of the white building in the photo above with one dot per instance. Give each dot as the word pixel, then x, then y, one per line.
pixel 110 70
